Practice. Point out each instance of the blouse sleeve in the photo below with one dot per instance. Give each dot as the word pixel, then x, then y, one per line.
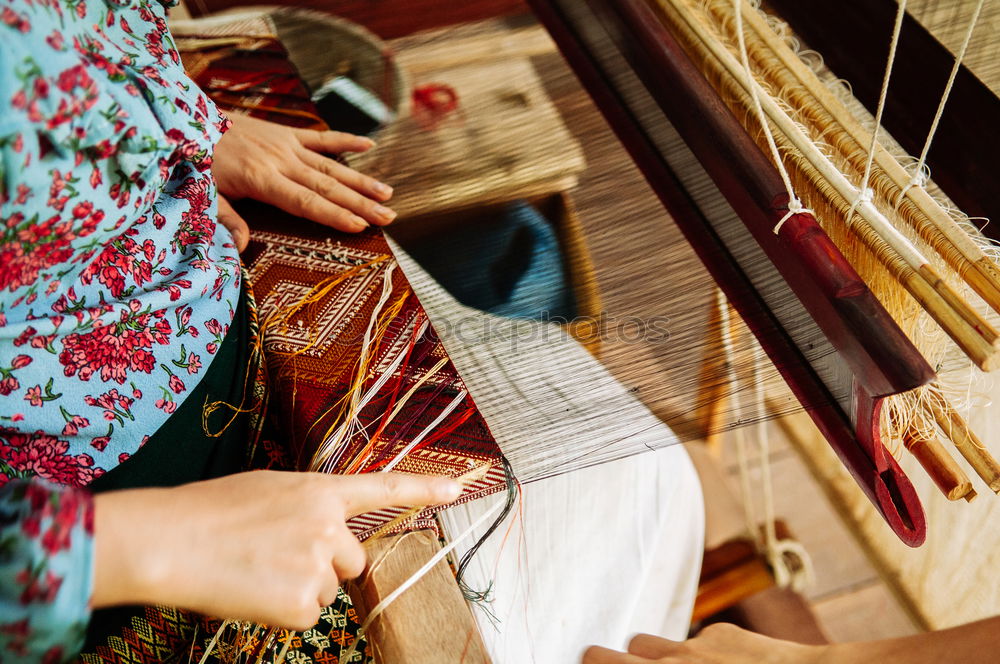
pixel 46 575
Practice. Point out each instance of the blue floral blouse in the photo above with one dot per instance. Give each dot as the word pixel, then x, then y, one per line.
pixel 116 284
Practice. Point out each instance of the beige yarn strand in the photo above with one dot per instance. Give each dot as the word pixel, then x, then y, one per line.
pixel 918 178
pixel 865 196
pixel 794 203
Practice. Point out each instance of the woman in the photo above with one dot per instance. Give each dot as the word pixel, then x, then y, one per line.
pixel 122 310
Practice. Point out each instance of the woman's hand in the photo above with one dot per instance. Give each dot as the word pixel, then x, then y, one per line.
pixel 270 547
pixel 716 644
pixel 285 167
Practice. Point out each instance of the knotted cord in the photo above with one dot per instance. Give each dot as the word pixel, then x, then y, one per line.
pixel 794 203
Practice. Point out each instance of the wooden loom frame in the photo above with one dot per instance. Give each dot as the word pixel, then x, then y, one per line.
pixel 813 268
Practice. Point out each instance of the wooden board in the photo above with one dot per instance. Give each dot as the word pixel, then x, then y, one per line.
pixel 430 623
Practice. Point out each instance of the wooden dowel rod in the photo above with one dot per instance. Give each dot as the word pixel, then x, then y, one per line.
pixel 958 303
pixel 938 302
pixel 966 441
pixel 940 466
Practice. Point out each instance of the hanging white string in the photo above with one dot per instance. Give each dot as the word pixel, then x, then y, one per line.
pixel 865 196
pixel 789 560
pixel 920 176
pixel 794 204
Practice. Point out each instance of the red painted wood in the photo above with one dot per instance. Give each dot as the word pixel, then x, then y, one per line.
pixel 894 494
pixel 388 18
pixel 904 516
pixel 879 354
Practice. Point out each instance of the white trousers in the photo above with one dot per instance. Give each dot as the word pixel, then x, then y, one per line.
pixel 589 557
pixel 594 557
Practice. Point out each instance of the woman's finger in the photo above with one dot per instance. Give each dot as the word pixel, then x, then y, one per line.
pixel 371 491
pixel 329 589
pixel 359 182
pixel 335 192
pixel 304 202
pixel 333 141
pixel 350 558
pixel 598 655
pixel 653 647
pixel 229 218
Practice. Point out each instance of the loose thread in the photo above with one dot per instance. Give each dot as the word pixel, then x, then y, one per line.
pixel 399 405
pixel 445 412
pixel 513 494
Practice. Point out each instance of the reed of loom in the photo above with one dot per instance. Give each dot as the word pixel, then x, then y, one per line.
pixel 714 54
pixel 834 195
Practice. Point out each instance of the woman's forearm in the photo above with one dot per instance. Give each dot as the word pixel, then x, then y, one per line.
pixel 131 544
pixel 265 546
pixel 974 643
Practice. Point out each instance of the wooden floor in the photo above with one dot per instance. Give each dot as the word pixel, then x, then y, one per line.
pixel 850 600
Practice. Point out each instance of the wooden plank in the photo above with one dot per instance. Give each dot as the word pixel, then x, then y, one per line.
pixel 503 141
pixel 431 622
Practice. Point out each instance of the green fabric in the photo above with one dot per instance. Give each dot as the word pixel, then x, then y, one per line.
pixel 180 452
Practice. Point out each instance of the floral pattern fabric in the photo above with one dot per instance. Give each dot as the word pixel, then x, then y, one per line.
pixel 116 284
pixel 43 594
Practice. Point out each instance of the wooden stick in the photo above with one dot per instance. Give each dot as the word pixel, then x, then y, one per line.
pixel 958 431
pixel 973 334
pixel 984 276
pixel 942 468
pixel 429 624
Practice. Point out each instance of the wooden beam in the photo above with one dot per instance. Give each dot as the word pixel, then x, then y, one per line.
pixel 431 622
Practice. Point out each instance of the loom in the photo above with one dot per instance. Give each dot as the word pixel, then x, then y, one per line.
pixel 826 297
pixel 836 345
